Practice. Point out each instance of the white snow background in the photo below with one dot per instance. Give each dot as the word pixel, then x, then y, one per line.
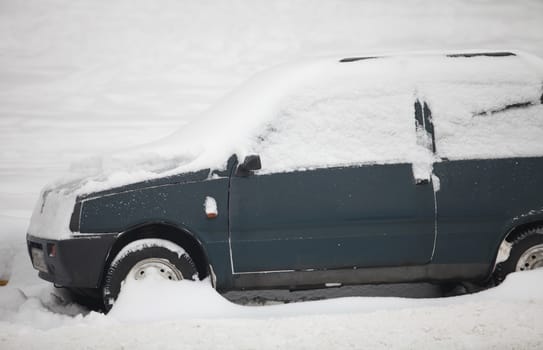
pixel 79 78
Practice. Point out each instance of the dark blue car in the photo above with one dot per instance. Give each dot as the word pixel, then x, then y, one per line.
pixel 377 169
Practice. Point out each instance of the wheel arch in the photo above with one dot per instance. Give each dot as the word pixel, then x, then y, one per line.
pixel 180 236
pixel 517 229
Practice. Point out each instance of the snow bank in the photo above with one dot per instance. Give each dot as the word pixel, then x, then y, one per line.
pixel 198 300
pixel 508 315
pixel 11 242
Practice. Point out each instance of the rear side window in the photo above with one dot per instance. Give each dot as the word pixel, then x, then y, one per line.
pixel 490 109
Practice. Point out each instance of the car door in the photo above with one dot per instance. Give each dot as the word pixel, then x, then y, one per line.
pixel 324 201
pixel 329 218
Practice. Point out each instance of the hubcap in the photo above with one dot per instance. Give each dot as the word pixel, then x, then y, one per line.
pixel 531 259
pixel 159 267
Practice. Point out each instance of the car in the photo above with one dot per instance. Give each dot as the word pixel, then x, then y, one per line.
pixel 373 169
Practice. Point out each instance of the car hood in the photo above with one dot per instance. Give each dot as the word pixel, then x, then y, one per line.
pixel 53 211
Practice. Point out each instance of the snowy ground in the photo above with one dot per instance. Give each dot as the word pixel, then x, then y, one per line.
pixel 84 77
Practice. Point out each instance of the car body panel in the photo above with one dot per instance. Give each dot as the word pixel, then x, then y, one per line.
pixel 392 274
pixel 360 216
pixel 479 201
pixel 78 262
pixel 179 204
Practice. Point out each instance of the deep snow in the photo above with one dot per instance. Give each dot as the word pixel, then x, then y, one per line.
pixel 85 77
pixel 192 315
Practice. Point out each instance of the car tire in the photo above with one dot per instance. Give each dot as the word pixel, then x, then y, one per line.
pixel 526 254
pixel 138 258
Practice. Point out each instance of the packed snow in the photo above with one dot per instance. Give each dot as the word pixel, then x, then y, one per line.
pixel 186 314
pixel 80 78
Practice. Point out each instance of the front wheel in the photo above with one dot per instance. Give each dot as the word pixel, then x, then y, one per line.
pixel 526 254
pixel 141 258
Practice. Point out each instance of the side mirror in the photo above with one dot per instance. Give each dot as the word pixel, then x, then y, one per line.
pixel 250 164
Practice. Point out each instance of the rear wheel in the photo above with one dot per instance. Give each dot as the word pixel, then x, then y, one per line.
pixel 141 258
pixel 526 254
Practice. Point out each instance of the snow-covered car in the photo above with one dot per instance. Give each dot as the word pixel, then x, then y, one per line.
pixel 376 169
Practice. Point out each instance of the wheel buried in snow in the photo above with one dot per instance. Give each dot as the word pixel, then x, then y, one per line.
pixel 526 254
pixel 139 259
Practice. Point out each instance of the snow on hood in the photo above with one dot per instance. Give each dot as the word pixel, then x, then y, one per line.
pixel 288 107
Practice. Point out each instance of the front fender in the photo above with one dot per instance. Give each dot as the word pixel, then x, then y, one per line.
pixel 180 204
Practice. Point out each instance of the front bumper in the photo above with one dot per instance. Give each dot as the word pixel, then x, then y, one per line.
pixel 77 262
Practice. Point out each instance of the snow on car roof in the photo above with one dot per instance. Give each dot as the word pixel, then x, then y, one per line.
pixel 478 81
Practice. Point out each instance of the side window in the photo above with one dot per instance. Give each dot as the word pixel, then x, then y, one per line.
pixel 317 128
pixel 475 121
